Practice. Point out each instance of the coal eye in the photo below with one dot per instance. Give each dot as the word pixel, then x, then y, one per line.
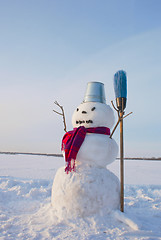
pixel 93 109
pixel 77 109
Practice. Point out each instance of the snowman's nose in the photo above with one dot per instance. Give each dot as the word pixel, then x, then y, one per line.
pixel 84 112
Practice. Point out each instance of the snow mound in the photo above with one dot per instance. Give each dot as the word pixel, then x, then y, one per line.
pixel 24 215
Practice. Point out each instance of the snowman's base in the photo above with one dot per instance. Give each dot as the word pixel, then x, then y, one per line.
pixel 85 192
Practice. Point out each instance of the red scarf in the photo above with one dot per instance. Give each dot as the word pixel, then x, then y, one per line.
pixel 73 140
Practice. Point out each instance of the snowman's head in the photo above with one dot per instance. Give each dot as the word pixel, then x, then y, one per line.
pixel 93 114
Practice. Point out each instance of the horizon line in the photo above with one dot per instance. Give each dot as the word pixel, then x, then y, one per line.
pixel 61 155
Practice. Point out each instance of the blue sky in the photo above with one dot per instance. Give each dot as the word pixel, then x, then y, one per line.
pixel 51 49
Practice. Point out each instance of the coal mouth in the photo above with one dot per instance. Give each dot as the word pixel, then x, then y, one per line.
pixel 89 121
pixel 80 122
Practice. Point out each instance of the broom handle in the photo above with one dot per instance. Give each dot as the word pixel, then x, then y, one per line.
pixel 121 164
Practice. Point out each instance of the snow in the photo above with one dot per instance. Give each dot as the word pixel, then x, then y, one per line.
pixel 26 211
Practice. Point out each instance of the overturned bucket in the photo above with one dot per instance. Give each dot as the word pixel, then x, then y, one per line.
pixel 95 92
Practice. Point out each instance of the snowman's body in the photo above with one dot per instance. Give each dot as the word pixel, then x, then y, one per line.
pixel 96 149
pixel 91 188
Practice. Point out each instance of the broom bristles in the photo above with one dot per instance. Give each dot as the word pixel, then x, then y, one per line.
pixel 120 84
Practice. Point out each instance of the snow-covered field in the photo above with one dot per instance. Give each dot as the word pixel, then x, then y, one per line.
pixel 26 212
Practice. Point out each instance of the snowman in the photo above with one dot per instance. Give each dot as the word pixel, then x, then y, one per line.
pixel 85 186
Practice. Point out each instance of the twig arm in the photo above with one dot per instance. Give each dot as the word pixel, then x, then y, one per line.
pixel 115 128
pixel 58 113
pixel 127 114
pixel 62 114
pixel 65 126
pixel 114 106
pixel 119 118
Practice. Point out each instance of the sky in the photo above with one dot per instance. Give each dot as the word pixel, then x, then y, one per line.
pixel 50 50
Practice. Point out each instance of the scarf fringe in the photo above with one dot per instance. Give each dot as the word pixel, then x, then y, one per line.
pixel 70 166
